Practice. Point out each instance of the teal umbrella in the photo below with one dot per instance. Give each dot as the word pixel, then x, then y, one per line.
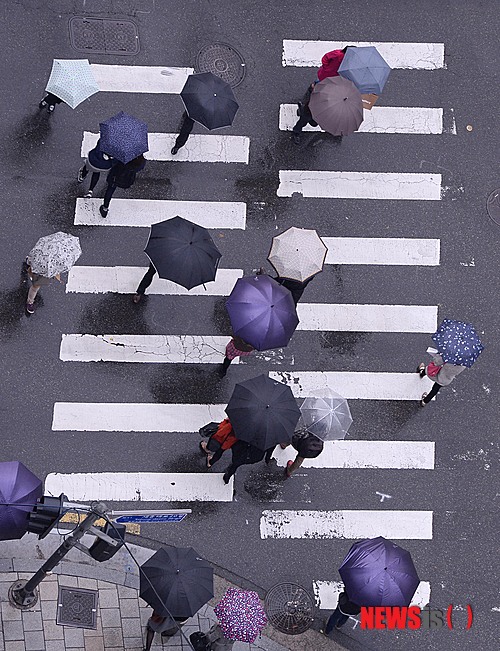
pixel 72 80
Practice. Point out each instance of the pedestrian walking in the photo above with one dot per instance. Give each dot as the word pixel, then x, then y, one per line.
pixel 237 347
pixel 146 281
pixel 49 102
pixel 121 175
pixel 442 373
pixel 218 442
pixel 243 453
pixel 330 63
pixel 295 287
pixel 307 445
pixel 305 116
pixel 345 608
pixel 165 626
pixel 36 281
pixel 97 161
pixel 187 125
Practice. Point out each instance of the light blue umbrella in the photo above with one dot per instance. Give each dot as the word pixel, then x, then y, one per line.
pixel 366 68
pixel 72 80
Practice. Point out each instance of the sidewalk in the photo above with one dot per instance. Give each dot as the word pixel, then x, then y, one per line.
pixel 121 616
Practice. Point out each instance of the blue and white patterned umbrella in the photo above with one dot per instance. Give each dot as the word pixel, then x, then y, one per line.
pixel 72 80
pixel 124 137
pixel 457 342
pixel 54 254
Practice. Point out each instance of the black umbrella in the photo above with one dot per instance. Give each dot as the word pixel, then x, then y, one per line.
pixel 19 491
pixel 263 412
pixel 183 252
pixel 209 100
pixel 184 582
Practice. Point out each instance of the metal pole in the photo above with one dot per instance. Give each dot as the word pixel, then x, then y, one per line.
pixel 23 594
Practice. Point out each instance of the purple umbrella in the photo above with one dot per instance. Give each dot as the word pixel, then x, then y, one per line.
pixel 377 572
pixel 124 137
pixel 241 615
pixel 262 312
pixel 19 491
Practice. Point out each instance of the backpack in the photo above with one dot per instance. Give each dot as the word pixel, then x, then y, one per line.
pixel 199 641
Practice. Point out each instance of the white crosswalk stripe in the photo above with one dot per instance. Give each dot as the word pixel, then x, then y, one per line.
pixel 327 594
pixel 144 212
pixel 140 79
pixel 382 251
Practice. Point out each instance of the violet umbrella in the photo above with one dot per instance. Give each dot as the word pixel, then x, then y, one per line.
pixel 262 312
pixel 377 572
pixel 241 615
pixel 19 492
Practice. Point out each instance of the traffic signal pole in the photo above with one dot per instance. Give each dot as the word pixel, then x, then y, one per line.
pixel 23 594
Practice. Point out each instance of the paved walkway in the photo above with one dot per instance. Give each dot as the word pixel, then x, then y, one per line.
pixel 121 616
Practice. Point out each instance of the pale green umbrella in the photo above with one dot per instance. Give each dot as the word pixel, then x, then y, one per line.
pixel 72 80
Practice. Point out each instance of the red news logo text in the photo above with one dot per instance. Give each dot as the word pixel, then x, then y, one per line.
pixel 411 617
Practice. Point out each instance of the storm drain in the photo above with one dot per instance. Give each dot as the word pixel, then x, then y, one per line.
pixel 103 36
pixel 493 206
pixel 289 608
pixel 224 61
pixel 77 607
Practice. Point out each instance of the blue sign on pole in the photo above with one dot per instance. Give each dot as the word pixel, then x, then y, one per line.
pixel 159 517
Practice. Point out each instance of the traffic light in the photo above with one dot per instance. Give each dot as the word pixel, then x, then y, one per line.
pixel 45 515
pixel 102 550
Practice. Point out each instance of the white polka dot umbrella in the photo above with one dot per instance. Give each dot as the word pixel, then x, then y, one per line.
pixel 457 342
pixel 72 80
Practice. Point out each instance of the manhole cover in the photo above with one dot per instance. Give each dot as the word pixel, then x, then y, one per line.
pixel 224 61
pixel 289 608
pixel 77 607
pixel 103 36
pixel 493 206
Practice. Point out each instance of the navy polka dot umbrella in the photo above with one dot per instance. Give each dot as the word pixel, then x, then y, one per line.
pixel 124 137
pixel 457 342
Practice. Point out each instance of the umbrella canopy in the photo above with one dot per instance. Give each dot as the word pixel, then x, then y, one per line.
pixel 184 582
pixel 72 80
pixel 19 491
pixel 124 137
pixel 325 415
pixel 377 572
pixel 298 253
pixel 263 412
pixel 262 312
pixel 183 252
pixel 241 615
pixel 366 68
pixel 209 100
pixel 54 254
pixel 336 105
pixel 457 342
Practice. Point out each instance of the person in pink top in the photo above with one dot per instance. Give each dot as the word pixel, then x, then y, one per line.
pixel 330 63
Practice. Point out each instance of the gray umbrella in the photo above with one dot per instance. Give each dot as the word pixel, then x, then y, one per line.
pixel 336 105
pixel 366 68
pixel 19 491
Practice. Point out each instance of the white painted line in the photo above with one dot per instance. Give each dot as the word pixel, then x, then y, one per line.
pixel 140 487
pixel 418 56
pixel 144 212
pixel 199 148
pixel 140 79
pixel 381 119
pixel 367 318
pixel 156 349
pixel 395 525
pixel 327 594
pixel 356 385
pixel 124 280
pixel 133 417
pixel 366 454
pixel 360 185
pixel 382 250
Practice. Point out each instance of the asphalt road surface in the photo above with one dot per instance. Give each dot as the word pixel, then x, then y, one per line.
pixel 426 478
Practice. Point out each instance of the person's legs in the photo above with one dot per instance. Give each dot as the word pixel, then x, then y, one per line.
pixel 224 366
pixel 230 472
pixel 292 466
pixel 301 123
pixel 107 198
pixel 186 128
pixel 82 173
pixel 32 292
pixel 146 281
pixel 336 619
pixel 149 638
pixel 93 180
pixel 427 397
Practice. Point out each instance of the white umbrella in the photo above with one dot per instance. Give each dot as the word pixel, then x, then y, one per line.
pixel 72 80
pixel 325 415
pixel 54 254
pixel 298 253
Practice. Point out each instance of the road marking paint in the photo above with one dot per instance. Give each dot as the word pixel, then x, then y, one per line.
pixel 367 318
pixel 395 525
pixel 140 79
pixel 166 349
pixel 124 280
pixel 356 385
pixel 199 148
pixel 366 454
pixel 382 251
pixel 381 119
pixel 133 417
pixel 144 212
pixel 360 185
pixel 327 594
pixel 77 518
pixel 417 56
pixel 140 487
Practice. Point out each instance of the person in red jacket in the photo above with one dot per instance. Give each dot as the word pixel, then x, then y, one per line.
pixel 218 443
pixel 330 63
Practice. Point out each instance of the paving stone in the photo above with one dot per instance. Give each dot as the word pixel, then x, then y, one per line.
pixel 133 642
pixel 49 590
pixel 4 590
pixel 34 641
pixel 32 621
pixel 73 637
pixel 49 610
pixel 129 607
pixel 131 627
pixel 97 632
pixel 13 631
pixel 90 584
pixel 110 617
pixel 94 644
pixel 15 646
pixel 127 593
pixel 9 613
pixel 70 581
pixel 52 631
pixel 55 645
pixel 108 598
pixel 112 637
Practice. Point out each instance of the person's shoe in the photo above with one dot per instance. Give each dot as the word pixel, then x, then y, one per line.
pixel 79 176
pixel 299 108
pixel 136 298
pixel 422 403
pixel 296 138
pixel 421 369
pixel 226 478
pixel 103 210
pixel 50 108
pixel 284 446
pixel 88 195
pixel 287 474
pixel 174 150
pixel 30 308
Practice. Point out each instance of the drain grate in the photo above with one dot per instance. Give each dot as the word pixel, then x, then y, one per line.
pixel 224 61
pixel 289 608
pixel 103 36
pixel 77 607
pixel 493 206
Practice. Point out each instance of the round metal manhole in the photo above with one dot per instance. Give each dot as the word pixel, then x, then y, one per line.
pixel 289 608
pixel 493 206
pixel 224 61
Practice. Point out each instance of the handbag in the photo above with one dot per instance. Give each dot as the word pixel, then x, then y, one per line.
pixel 208 429
pixel 199 641
pixel 433 369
